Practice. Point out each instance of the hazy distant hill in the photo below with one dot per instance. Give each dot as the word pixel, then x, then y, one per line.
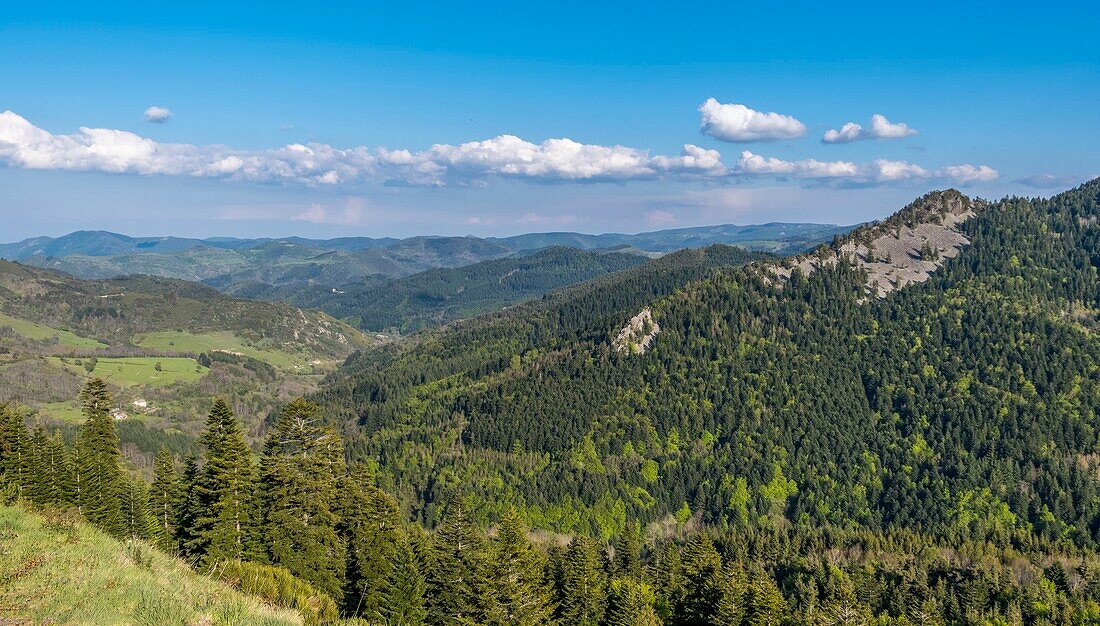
pixel 229 262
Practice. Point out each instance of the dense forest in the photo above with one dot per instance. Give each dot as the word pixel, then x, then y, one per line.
pixel 303 529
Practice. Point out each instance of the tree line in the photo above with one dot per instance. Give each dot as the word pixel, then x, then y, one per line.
pixel 303 510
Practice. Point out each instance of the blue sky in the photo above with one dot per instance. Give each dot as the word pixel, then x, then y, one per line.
pixel 995 98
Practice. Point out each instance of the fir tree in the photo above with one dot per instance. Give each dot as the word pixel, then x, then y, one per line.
pixel 301 464
pixel 187 507
pixel 223 493
pixel 58 466
pixel 14 442
pixel 138 522
pixel 703 582
pixel 164 500
pixel 404 603
pixel 583 587
pixel 630 603
pixel 520 595
pixel 39 489
pixel 370 525
pixel 628 552
pixel 765 604
pixel 457 584
pixel 99 462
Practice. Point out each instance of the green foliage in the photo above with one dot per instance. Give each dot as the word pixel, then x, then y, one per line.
pixel 583 593
pixel 371 525
pixel 520 595
pixel 99 477
pixel 165 499
pixel 457 573
pixel 298 480
pixel 279 587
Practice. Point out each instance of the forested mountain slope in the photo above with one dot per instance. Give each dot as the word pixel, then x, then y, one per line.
pixel 963 406
pixel 444 294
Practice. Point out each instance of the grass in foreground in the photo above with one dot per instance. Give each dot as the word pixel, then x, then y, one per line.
pixel 56 570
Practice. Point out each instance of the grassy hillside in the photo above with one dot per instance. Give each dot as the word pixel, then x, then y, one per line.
pixel 55 570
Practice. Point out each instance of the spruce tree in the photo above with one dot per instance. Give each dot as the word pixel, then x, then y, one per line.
pixel 630 603
pixel 628 552
pixel 223 494
pixel 39 489
pixel 404 601
pixel 457 584
pixel 187 508
pixel 14 444
pixel 765 603
pixel 583 586
pixel 59 468
pixel 99 462
pixel 370 525
pixel 301 465
pixel 703 582
pixel 138 521
pixel 164 500
pixel 520 594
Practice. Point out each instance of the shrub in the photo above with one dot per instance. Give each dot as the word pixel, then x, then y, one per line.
pixel 278 586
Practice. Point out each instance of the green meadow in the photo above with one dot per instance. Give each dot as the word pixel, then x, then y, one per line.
pixel 133 371
pixel 31 330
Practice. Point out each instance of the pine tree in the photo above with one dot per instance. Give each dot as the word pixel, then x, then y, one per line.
pixel 520 595
pixel 138 521
pixel 404 603
pixel 223 492
pixel 99 462
pixel 457 584
pixel 703 582
pixel 164 499
pixel 765 604
pixel 187 507
pixel 628 552
pixel 14 442
pixel 299 471
pixel 630 603
pixel 370 525
pixel 583 587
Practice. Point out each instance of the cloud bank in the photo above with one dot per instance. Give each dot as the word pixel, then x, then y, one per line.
pixel 24 145
pixel 881 128
pixel 739 123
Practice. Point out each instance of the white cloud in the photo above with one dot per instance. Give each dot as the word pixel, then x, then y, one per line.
pixel 157 115
pixel 881 128
pixel 880 171
pixel 737 122
pixel 24 145
pixel 1046 181
pixel 967 174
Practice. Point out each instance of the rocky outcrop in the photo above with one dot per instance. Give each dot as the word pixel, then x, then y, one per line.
pixel 638 334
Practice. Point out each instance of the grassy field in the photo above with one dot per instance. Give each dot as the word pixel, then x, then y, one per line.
pixel 227 341
pixel 54 570
pixel 133 371
pixel 30 330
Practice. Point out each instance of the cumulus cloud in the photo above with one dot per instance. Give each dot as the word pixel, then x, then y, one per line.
pixel 880 171
pixel 737 122
pixel 157 115
pixel 881 128
pixel 1045 181
pixel 24 145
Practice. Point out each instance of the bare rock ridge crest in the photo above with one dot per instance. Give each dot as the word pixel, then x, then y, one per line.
pixel 905 248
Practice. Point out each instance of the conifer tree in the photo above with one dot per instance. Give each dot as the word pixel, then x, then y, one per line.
pixel 59 468
pixel 14 442
pixel 703 582
pixel 99 462
pixel 164 500
pixel 731 606
pixel 223 493
pixel 404 603
pixel 520 595
pixel 187 507
pixel 370 521
pixel 765 604
pixel 583 586
pixel 39 490
pixel 299 471
pixel 628 552
pixel 630 603
pixel 138 522
pixel 457 584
